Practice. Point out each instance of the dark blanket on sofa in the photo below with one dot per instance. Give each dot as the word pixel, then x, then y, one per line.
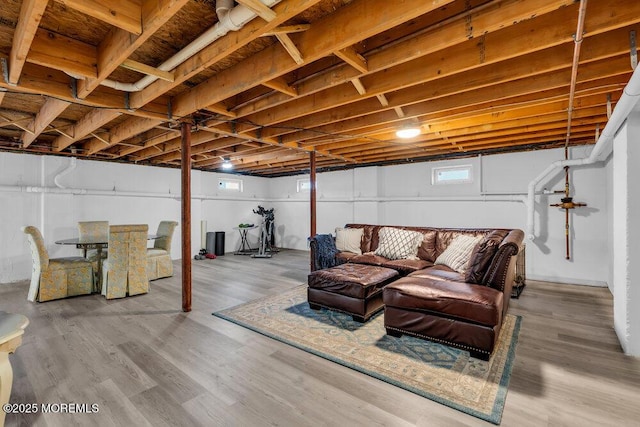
pixel 326 251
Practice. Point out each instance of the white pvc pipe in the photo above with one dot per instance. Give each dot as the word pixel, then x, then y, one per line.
pixel 627 102
pixel 228 20
pixel 68 170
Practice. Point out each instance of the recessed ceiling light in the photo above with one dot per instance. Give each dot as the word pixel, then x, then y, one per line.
pixel 408 131
pixel 226 163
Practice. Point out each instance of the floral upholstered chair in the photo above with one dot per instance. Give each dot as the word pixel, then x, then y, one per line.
pixel 124 272
pixel 55 278
pixel 94 231
pixel 159 257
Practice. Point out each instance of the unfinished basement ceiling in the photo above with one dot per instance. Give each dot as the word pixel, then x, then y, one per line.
pixel 337 77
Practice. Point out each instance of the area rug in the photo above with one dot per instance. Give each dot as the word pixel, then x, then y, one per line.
pixel 443 374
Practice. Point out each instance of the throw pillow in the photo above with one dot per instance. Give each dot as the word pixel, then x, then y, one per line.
pixel 427 250
pixel 482 256
pixel 396 243
pixel 348 239
pixel 458 253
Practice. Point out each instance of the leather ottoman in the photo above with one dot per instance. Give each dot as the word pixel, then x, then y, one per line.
pixel 458 314
pixel 351 288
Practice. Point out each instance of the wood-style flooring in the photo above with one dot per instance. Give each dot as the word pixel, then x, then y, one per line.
pixel 146 363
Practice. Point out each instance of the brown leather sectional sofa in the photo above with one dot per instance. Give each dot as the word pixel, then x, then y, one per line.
pixel 426 300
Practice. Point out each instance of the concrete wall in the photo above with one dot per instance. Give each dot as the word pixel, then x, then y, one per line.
pixel 119 193
pixel 400 194
pixel 404 195
pixel 626 235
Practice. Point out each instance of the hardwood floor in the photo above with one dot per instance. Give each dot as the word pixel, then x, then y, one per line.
pixel 144 362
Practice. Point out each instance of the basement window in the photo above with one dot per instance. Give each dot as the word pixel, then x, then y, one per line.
pixel 303 185
pixel 230 185
pixel 462 174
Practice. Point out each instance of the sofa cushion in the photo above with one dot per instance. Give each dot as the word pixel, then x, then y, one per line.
pixel 343 257
pixel 482 255
pixel 403 266
pixel 458 253
pixel 472 303
pixel 349 239
pixel 427 249
pixel 406 266
pixel 439 272
pixel 396 243
pixel 368 258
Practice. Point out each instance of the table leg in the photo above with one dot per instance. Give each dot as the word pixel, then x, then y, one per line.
pixel 99 272
pixel 244 248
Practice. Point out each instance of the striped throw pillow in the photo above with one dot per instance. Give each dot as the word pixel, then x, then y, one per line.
pixel 458 253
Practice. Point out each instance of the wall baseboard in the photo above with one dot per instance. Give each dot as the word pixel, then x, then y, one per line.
pixel 564 280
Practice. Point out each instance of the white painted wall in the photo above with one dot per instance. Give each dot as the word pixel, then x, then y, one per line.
pixel 404 195
pixel 400 194
pixel 626 235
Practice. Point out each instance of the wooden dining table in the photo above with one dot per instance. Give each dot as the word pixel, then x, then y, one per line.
pixel 98 243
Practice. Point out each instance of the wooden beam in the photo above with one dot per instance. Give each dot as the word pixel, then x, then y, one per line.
pixel 56 51
pixel 488 21
pixel 287 29
pixel 16 123
pixel 120 44
pixel 399 111
pixel 124 14
pixel 186 215
pixel 359 86
pixel 130 64
pixel 31 13
pixel 216 51
pixel 83 127
pixel 353 58
pixel 259 8
pixel 291 48
pixel 120 132
pixel 151 142
pixel 12 122
pixel 2 96
pixel 104 139
pixel 281 85
pixel 221 49
pixel 44 81
pixel 383 99
pixel 49 111
pixel 448 75
pixel 220 109
pixel 172 145
pixel 347 26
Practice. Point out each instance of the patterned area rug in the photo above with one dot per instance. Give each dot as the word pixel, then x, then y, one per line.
pixel 440 373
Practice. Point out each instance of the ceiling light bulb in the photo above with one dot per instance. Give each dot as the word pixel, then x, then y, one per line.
pixel 226 164
pixel 408 132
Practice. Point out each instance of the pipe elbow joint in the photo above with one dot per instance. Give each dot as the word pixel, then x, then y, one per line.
pixel 225 19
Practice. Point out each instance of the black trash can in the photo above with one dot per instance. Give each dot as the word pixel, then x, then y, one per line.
pixel 219 243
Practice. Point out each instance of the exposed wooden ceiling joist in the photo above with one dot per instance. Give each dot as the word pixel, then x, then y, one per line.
pixel 478 75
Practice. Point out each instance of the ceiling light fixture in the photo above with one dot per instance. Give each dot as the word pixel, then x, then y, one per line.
pixel 408 130
pixel 226 163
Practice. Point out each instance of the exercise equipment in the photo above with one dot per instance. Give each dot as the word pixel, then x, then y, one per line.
pixel 266 233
